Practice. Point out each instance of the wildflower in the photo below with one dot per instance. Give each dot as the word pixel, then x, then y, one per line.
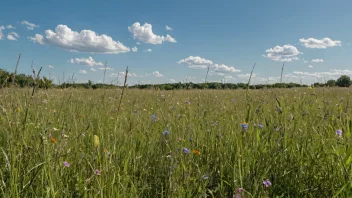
pixel 188 102
pixel 186 151
pixel 53 140
pixel 134 111
pixel 107 152
pixel 18 109
pixel 190 139
pixel 55 129
pixel 166 132
pixel 97 172
pixel 196 152
pixel 267 183
pixel 240 190
pixel 96 141
pixel 279 110
pixel 67 164
pixel 154 117
pixel 244 126
pixel 205 177
pixel 339 132
pixel 260 126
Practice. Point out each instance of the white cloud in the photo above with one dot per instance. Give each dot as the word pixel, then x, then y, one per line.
pixel 83 71
pixel 86 61
pixel 317 60
pixel 30 26
pixel 37 38
pixel 123 74
pixel 12 36
pixel 50 66
pixel 319 44
pixel 285 53
pixel 169 28
pixel 225 68
pixel 306 61
pixel 247 75
pixel 196 62
pixel 333 73
pixel 158 74
pixel 145 34
pixel 84 41
pixel 10 27
pixel 310 66
pixel 172 80
pixel 148 50
pixel 138 43
pixel 92 69
pixel 107 68
pixel 134 49
pixel 1 34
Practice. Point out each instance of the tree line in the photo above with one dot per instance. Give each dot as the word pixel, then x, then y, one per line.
pixel 8 79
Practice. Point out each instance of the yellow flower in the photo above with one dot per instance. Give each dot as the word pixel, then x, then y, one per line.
pixel 96 141
pixel 53 140
pixel 196 152
pixel 18 109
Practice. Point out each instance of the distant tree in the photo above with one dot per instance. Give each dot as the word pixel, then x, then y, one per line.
pixel 343 81
pixel 331 83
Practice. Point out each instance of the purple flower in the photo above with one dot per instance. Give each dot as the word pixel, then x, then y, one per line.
pixel 154 117
pixel 166 132
pixel 239 190
pixel 260 126
pixel 267 183
pixel 97 172
pixel 186 151
pixel 190 139
pixel 188 102
pixel 339 132
pixel 67 164
pixel 244 126
pixel 205 177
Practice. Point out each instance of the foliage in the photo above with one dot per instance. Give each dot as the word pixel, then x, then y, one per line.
pixel 343 81
pixel 187 143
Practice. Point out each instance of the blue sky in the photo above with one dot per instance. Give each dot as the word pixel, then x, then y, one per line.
pixel 65 37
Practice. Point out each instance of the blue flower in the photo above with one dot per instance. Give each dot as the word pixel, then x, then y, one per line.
pixel 186 151
pixel 205 177
pixel 244 126
pixel 267 183
pixel 260 126
pixel 154 117
pixel 339 132
pixel 166 132
pixel 190 139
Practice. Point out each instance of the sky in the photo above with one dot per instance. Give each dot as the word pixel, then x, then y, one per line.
pixel 177 41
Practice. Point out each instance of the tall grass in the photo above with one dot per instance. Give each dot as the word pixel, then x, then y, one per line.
pixel 297 149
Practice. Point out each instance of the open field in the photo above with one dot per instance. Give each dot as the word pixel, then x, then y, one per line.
pixel 74 143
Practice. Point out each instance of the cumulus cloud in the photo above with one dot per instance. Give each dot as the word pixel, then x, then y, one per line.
pixel 286 53
pixel 92 69
pixel 333 73
pixel 10 27
pixel 83 71
pixel 1 34
pixel 30 26
pixel 123 74
pixel 319 44
pixel 148 50
pixel 107 68
pixel 37 38
pixel 84 41
pixel 247 75
pixel 138 43
pixel 172 80
pixel 310 66
pixel 50 66
pixel 157 74
pixel 168 28
pixel 197 62
pixel 12 36
pixel 145 34
pixel 134 49
pixel 85 61
pixel 317 60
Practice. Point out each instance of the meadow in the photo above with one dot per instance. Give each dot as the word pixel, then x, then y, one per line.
pixel 185 143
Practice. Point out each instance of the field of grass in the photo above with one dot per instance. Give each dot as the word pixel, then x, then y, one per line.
pixel 74 143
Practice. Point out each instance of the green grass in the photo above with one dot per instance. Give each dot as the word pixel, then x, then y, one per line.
pixel 297 150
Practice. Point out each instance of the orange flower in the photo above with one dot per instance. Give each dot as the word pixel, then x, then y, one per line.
pixel 53 140
pixel 196 152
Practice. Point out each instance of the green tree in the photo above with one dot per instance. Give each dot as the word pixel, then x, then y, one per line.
pixel 331 83
pixel 343 81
